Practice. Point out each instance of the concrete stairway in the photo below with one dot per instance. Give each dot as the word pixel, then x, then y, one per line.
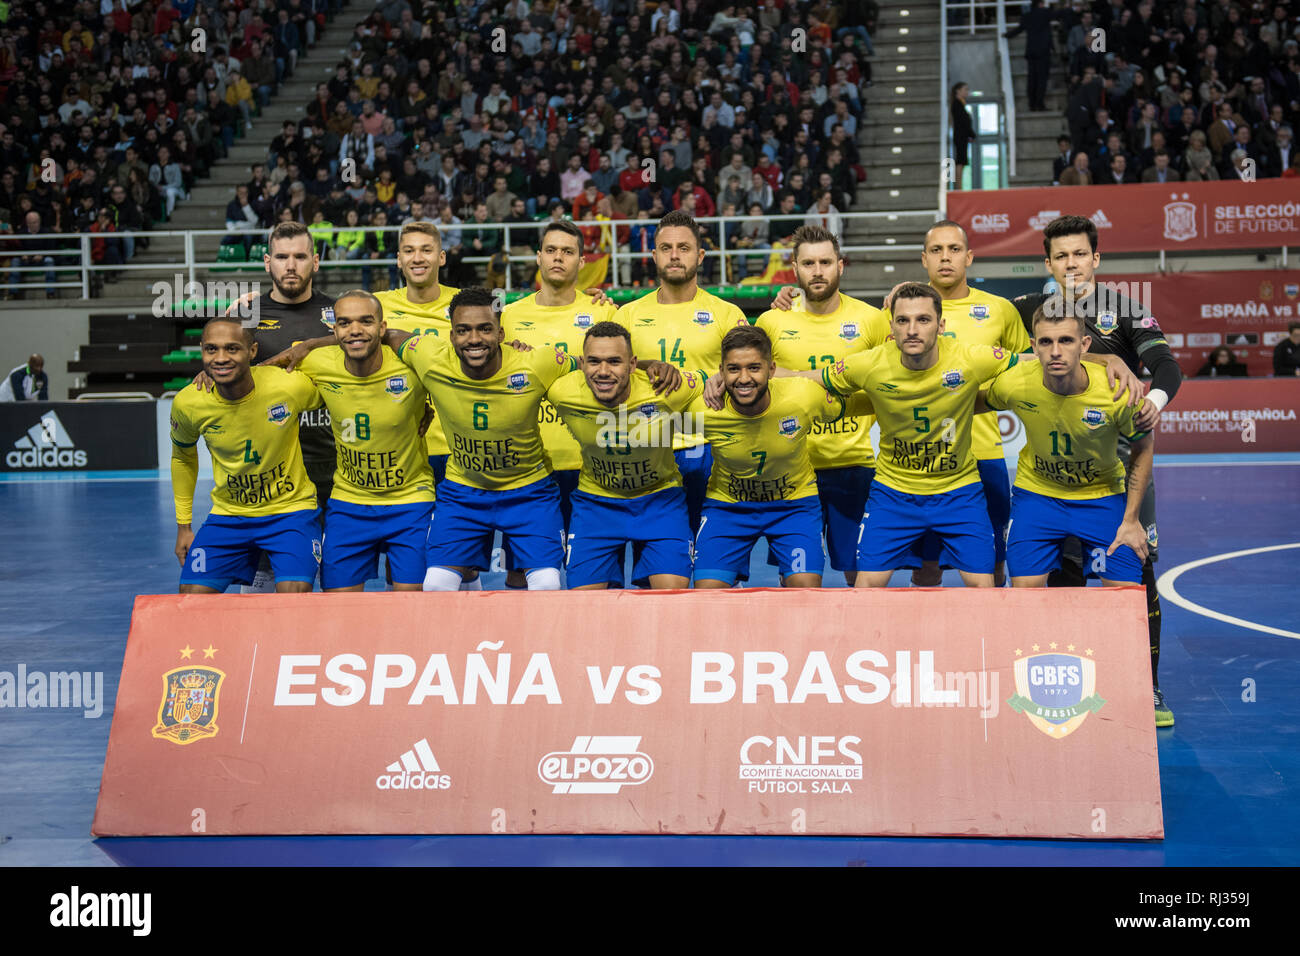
pixel 899 146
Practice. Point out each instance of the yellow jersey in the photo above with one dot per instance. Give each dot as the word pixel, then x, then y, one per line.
pixel 491 424
pixel 420 318
pixel 256 458
pixel 1069 439
pixel 376 424
pixel 925 417
pixel 765 457
pixel 802 340
pixel 688 335
pixel 627 451
pixel 554 327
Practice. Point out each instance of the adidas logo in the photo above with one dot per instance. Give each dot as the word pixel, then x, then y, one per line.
pixel 1100 221
pixel 417 769
pixel 46 445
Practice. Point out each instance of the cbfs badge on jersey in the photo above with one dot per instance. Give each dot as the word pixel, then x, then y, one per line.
pixel 188 711
pixel 1056 691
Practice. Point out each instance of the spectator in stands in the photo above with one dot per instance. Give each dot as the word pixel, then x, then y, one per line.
pixel 1077 174
pixel 36 252
pixel 825 214
pixel 1286 355
pixel 1198 161
pixel 241 217
pixel 1036 23
pixel 755 233
pixel 1281 156
pixel 1064 159
pixel 1118 173
pixel 239 95
pixel 963 132
pixel 27 382
pixel 1161 171
pixel 1222 362
pixel 166 175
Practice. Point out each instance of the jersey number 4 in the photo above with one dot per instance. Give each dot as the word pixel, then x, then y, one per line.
pixel 250 455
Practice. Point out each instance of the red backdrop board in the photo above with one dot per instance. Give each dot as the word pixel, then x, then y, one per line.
pixel 1247 310
pixel 1232 415
pixel 1141 217
pixel 946 712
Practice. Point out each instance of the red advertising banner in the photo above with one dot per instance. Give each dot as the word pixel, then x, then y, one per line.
pixel 912 712
pixel 1141 217
pixel 1232 415
pixel 1248 311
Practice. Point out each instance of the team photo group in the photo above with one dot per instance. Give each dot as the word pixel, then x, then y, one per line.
pixel 419 422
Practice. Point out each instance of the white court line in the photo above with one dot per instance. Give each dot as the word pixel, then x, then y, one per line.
pixel 1165 585
pixel 250 694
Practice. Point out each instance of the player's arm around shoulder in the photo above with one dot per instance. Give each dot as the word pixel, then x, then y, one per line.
pixel 816 402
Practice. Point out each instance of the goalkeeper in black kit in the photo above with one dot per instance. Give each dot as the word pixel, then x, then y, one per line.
pixel 1123 327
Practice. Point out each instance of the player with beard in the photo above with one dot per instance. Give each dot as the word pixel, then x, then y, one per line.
pixel 1124 331
pixel 383 489
pixel 293 311
pixel 556 316
pixel 923 389
pixel 762 482
pixel 263 502
pixel 824 327
pixel 681 324
pixel 629 490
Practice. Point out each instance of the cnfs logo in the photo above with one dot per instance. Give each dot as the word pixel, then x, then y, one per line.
pixel 596 765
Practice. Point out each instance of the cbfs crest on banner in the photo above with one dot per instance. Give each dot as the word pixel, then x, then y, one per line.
pixel 953 712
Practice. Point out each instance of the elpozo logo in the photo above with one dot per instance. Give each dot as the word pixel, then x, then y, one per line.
pixel 46 445
pixel 596 765
pixel 786 765
pixel 1056 691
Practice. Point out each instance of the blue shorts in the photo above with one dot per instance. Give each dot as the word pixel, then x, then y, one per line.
pixel 567 482
pixel 695 464
pixel 728 532
pixel 465 520
pixel 895 521
pixel 843 495
pixel 602 528
pixel 355 535
pixel 439 465
pixel 226 549
pixel 1039 523
pixel 997 495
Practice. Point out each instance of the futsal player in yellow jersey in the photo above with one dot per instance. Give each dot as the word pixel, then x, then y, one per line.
pixel 923 389
pixel 825 327
pixel 420 307
pixel 629 489
pixel 263 500
pixel 762 482
pixel 1069 479
pixel 382 498
pixel 681 324
pixel 557 316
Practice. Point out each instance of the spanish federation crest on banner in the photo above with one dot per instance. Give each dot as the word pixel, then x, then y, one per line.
pixel 188 711
pixel 1056 691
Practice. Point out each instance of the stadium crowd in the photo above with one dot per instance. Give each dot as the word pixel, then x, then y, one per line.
pixel 1177 90
pixel 115 108
pixel 600 112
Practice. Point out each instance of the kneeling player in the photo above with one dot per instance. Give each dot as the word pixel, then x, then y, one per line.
pixel 383 487
pixel 262 500
pixel 1069 480
pixel 762 482
pixel 629 489
pixel 923 388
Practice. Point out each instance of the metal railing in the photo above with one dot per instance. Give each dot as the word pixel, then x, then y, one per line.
pixel 77 257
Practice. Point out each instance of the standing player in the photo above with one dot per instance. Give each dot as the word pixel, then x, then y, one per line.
pixel 762 482
pixel 681 324
pixel 263 501
pixel 293 311
pixel 420 307
pixel 827 327
pixel 629 490
pixel 1069 479
pixel 923 390
pixel 1123 331
pixel 554 317
pixel 383 488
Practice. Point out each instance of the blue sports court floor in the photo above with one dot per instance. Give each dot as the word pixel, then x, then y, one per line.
pixel 74 553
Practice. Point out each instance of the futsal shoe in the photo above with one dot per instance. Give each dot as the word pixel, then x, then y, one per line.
pixel 1164 716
